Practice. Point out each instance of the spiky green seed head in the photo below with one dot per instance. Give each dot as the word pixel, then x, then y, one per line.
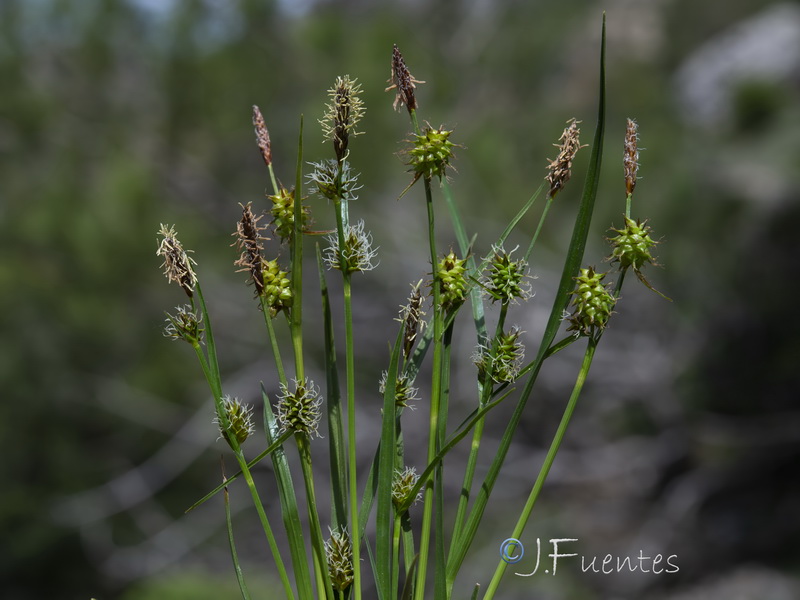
pixel 431 152
pixel 501 359
pixel 451 274
pixel 277 287
pixel 505 278
pixel 299 410
pixel 631 246
pixel 592 303
pixel 339 553
pixel 239 418
pixel 282 212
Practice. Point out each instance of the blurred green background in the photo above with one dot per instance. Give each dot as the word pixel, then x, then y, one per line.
pixel 116 116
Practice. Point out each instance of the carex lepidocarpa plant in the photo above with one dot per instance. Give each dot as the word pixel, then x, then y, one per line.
pixel 407 554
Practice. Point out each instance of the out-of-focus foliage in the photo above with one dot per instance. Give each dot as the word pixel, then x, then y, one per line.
pixel 116 115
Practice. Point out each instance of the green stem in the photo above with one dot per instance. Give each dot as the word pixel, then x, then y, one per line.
pixel 548 461
pixel 212 373
pixel 477 434
pixel 276 351
pixel 539 227
pixel 351 435
pixel 436 383
pixel 264 521
pixel 275 187
pixel 317 545
pixel 237 567
pixel 296 320
pixel 395 554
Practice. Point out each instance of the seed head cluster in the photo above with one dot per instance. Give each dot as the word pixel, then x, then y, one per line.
pixel 238 420
pixel 332 184
pixel 501 359
pixel 592 304
pixel 404 391
pixel 184 325
pixel 506 279
pixel 403 484
pixel 299 410
pixel 339 553
pixel 357 253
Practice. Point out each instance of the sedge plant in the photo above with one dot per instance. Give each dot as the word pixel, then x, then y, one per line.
pixel 410 555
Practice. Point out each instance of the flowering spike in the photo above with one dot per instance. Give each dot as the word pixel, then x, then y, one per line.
pixel 343 114
pixel 177 263
pixel 630 159
pixel 560 169
pixel 250 242
pixel 402 82
pixel 262 136
pixel 411 314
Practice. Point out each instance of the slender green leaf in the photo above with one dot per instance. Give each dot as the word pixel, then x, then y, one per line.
pixel 374 566
pixel 476 298
pixel 336 441
pixel 288 500
pixel 571 266
pixel 296 318
pixel 383 539
pixel 237 567
pixel 408 586
pixel 270 449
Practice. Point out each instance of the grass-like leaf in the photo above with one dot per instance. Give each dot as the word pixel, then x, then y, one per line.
pixel 333 405
pixel 236 565
pixel 288 500
pixel 570 269
pixel 383 541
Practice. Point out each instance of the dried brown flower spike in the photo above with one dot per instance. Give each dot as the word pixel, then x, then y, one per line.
pixel 630 159
pixel 249 242
pixel 177 263
pixel 262 135
pixel 560 169
pixel 402 81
